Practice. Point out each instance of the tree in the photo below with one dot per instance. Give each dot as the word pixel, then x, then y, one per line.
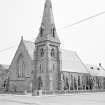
pixel 75 84
pixel 71 85
pixel 90 83
pixel 79 84
pixel 6 84
pixel 104 83
pixel 66 87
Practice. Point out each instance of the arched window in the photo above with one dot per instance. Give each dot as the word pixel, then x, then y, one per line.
pixel 41 52
pixel 41 68
pixel 20 66
pixel 52 52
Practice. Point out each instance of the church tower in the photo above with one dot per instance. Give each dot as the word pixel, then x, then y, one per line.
pixel 47 53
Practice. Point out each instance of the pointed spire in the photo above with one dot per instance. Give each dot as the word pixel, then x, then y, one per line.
pixel 47 29
pixel 48 15
pixel 21 37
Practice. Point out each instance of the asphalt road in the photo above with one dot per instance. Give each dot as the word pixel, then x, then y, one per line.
pixel 73 99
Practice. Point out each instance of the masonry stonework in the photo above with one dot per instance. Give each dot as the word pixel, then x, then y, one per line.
pixel 42 65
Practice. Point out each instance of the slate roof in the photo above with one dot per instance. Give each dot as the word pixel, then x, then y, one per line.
pixel 70 60
pixel 72 63
pixel 30 46
pixel 95 71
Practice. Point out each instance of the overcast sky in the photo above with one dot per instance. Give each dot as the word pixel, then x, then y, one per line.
pixel 23 17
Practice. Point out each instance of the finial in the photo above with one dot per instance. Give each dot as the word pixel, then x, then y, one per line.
pixel 48 3
pixel 21 37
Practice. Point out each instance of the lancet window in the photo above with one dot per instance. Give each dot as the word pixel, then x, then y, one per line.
pixel 20 66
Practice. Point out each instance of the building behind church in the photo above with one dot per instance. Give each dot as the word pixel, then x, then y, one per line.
pixel 43 65
pixel 3 76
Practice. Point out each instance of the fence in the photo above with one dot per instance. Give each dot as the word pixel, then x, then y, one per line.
pixel 58 92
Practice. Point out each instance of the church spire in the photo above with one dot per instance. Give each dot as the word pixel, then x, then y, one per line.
pixel 48 15
pixel 47 28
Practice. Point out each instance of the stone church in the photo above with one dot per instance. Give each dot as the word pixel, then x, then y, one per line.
pixel 43 65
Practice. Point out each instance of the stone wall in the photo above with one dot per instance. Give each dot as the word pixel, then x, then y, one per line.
pixel 21 76
pixel 21 85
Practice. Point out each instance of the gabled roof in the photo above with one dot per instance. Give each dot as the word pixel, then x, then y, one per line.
pixel 95 71
pixel 30 46
pixel 72 63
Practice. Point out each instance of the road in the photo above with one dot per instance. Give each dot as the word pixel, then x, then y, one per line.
pixel 73 99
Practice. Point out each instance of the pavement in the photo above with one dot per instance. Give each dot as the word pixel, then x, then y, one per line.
pixel 71 99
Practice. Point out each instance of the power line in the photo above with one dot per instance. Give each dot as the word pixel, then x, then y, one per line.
pixel 83 20
pixel 78 22
pixel 7 48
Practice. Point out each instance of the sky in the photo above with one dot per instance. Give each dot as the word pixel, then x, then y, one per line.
pixel 23 18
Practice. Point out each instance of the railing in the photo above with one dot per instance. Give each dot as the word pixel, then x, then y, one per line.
pixel 49 92
pixel 61 92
